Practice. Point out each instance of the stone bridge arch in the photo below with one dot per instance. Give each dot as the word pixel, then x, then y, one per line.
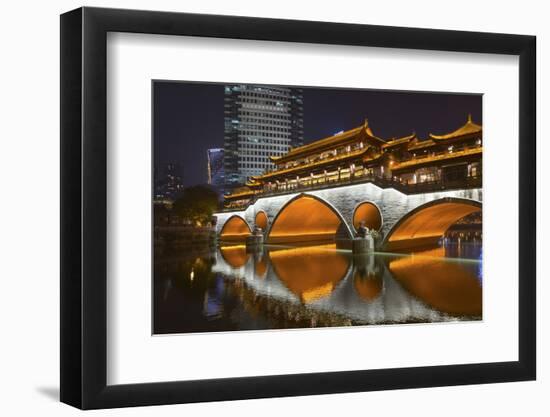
pixel 392 204
pixel 306 218
pixel 261 220
pixel 235 229
pixel 427 223
pixel 368 213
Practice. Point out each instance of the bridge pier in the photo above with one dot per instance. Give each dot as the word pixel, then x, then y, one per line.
pixel 255 241
pixel 363 245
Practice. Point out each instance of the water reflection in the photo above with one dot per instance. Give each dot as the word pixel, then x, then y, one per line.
pixel 232 288
pixel 320 269
pixel 236 256
pixel 445 285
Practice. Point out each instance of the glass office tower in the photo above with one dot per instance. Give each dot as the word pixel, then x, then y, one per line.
pixel 260 121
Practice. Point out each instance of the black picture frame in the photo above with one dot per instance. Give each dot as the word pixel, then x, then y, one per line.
pixel 84 207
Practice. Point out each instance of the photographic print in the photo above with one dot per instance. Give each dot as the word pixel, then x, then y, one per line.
pixel 279 207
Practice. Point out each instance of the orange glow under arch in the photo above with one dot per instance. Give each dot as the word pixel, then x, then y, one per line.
pixel 305 219
pixel 368 213
pixel 261 220
pixel 235 229
pixel 426 224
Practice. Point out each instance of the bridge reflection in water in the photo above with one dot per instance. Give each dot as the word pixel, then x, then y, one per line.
pixel 315 286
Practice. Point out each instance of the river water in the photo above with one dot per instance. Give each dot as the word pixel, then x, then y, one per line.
pixel 282 287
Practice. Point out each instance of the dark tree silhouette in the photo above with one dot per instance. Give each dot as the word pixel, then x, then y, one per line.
pixel 197 204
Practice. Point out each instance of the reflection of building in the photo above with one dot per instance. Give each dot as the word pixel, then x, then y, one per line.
pixel 469 228
pixel 215 168
pixel 408 164
pixel 168 183
pixel 260 121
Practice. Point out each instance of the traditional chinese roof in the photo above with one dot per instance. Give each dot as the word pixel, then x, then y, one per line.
pixel 357 154
pixel 399 141
pixel 253 183
pixel 421 144
pixel 415 162
pixel 239 194
pixel 331 142
pixel 468 129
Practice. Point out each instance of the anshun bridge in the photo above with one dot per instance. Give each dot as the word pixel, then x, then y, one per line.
pixel 409 190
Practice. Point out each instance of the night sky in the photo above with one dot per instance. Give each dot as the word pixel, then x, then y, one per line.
pixel 188 118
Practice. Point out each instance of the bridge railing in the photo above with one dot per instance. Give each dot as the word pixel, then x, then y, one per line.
pixel 382 182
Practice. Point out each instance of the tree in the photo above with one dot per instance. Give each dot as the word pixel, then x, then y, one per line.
pixel 197 204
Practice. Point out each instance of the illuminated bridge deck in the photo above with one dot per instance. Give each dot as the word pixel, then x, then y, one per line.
pixel 334 213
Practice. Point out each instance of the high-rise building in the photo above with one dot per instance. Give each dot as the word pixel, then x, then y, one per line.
pixel 216 176
pixel 168 182
pixel 260 121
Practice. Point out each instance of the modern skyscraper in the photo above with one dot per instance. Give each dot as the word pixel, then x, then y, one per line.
pixel 168 183
pixel 260 121
pixel 216 176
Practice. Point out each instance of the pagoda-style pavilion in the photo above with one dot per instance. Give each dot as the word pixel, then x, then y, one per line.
pixel 409 164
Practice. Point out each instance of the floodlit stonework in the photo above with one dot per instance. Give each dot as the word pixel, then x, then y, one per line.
pixel 393 204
